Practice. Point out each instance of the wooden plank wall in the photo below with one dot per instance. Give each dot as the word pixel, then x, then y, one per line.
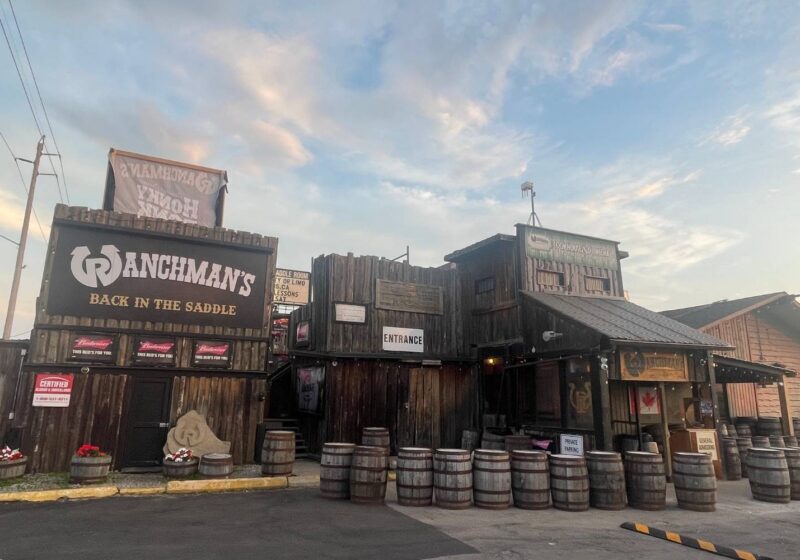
pixel 537 319
pixel 10 361
pixel 230 405
pixel 350 279
pixel 51 435
pixel 441 403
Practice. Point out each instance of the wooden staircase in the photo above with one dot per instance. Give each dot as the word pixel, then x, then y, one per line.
pixel 290 424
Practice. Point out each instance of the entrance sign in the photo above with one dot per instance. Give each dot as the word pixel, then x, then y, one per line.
pixel 350 313
pixel 653 366
pixel 564 247
pixel 291 286
pixel 130 274
pixel 571 444
pixel 52 389
pixel 99 348
pixel 396 339
pixel 158 188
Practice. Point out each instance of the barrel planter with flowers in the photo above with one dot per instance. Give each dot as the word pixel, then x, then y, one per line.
pixel 181 464
pixel 12 463
pixel 89 464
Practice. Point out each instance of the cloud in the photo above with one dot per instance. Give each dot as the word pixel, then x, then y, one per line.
pixel 731 131
pixel 785 117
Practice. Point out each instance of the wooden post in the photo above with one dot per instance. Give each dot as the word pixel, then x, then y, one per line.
pixel 601 406
pixel 662 396
pixel 786 408
pixel 712 380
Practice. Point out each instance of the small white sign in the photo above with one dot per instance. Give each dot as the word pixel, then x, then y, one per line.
pixel 396 339
pixel 707 443
pixel 349 313
pixel 571 444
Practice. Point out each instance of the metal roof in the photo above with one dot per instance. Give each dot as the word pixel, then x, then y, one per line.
pixel 622 321
pixel 461 253
pixel 704 315
pixel 734 370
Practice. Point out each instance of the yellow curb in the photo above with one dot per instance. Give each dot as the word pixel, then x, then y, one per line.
pixel 142 491
pixel 303 481
pixel 392 475
pixel 52 495
pixel 224 485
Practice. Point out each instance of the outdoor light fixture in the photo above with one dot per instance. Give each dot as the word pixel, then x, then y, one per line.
pixel 547 336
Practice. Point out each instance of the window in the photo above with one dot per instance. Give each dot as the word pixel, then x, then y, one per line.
pixel 597 284
pixel 484 285
pixel 550 278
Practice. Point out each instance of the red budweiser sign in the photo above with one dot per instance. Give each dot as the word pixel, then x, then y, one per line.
pixel 212 349
pixel 212 353
pixel 92 343
pixel 160 347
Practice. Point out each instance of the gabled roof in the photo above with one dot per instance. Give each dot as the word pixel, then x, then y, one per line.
pixel 624 322
pixel 704 315
pixel 461 253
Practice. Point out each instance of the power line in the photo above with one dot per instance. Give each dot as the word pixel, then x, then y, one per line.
pixel 44 108
pixel 21 81
pixel 24 186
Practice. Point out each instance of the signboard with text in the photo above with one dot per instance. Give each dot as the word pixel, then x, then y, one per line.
pixel 396 339
pixel 571 444
pixel 291 286
pixel 565 247
pixel 136 275
pixel 310 389
pixel 157 351
pixel 410 297
pixel 97 348
pixel 211 353
pixel 350 313
pixel 52 389
pixel 653 366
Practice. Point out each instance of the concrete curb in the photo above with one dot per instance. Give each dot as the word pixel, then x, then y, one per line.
pixel 304 481
pixel 142 490
pixel 225 485
pixel 61 493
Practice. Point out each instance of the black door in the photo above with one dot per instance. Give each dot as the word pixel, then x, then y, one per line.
pixel 147 422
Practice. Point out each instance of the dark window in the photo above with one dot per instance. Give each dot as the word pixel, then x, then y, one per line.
pixel 484 285
pixel 550 278
pixel 596 284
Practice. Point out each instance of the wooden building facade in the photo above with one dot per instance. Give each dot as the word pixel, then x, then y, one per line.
pixel 563 352
pixel 381 344
pixel 764 329
pixel 145 319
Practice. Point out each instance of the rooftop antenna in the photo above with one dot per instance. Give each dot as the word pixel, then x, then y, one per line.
pixel 527 187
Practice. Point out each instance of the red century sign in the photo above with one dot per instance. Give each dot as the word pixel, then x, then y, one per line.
pixel 52 389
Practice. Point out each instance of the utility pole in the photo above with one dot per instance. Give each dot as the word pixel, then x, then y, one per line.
pixel 23 239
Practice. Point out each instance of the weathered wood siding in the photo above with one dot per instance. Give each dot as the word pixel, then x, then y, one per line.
pixel 11 359
pixel 742 399
pixel 537 319
pixel 350 279
pixel 421 406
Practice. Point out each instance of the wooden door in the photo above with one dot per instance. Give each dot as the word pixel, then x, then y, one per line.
pixel 147 422
pixel 419 416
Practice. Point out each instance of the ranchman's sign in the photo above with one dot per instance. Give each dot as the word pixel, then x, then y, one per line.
pixel 291 286
pixel 158 188
pixel 126 274
pixel 653 366
pixel 568 248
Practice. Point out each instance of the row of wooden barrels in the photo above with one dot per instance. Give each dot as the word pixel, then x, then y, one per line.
pixel 457 478
pixel 764 426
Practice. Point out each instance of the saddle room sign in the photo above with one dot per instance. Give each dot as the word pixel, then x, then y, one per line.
pixel 653 366
pixel 115 273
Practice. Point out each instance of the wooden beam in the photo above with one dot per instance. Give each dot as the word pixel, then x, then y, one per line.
pixel 712 379
pixel 601 404
pixel 662 396
pixel 786 408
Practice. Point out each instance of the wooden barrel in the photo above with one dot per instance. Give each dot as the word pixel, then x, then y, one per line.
pixel 569 482
pixel 216 465
pixel 792 455
pixel 530 479
pixel 695 481
pixel 606 479
pixel 769 426
pixel 368 473
pixel 645 480
pixel 790 441
pixel 469 440
pixel 731 459
pixel 745 426
pixel 491 479
pixel 731 429
pixel 761 441
pixel 277 453
pixel 493 441
pixel 744 430
pixel 376 437
pixel 744 443
pixel 776 441
pixel 13 468
pixel 452 478
pixel 522 443
pixel 334 470
pixel 414 476
pixel 183 469
pixel 85 470
pixel 769 475
pixel 796 424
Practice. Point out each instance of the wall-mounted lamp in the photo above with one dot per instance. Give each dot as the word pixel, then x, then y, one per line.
pixel 547 336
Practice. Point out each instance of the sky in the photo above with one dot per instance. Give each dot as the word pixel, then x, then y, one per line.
pixel 671 127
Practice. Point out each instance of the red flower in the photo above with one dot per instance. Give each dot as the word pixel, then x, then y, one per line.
pixel 88 450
